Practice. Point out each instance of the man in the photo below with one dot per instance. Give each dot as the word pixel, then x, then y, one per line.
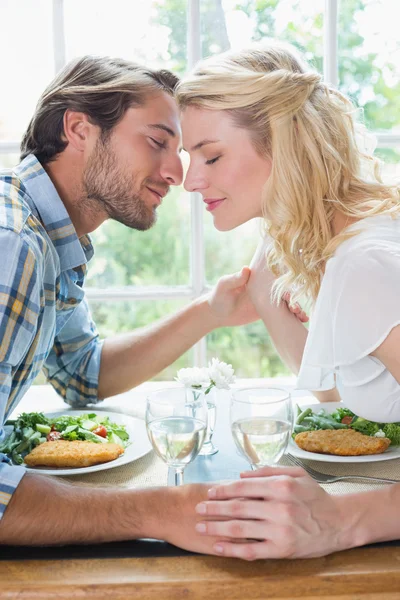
pixel 103 143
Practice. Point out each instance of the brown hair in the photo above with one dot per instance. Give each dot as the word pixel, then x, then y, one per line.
pixel 101 87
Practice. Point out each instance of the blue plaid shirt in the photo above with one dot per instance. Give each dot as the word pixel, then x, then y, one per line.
pixel 44 318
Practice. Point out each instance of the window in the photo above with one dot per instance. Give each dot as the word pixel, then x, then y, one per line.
pixel 137 277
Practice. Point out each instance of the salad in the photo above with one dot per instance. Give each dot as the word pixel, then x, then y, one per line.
pixel 344 418
pixel 31 429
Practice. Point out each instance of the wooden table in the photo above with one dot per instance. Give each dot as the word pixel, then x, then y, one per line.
pixel 361 573
pixel 371 572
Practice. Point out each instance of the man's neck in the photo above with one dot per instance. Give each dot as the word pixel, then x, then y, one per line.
pixel 66 177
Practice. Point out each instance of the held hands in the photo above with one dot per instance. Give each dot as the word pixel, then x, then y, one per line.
pixel 231 298
pixel 277 512
pixel 261 281
pixel 230 302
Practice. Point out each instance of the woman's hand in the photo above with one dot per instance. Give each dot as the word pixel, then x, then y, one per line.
pixel 295 308
pixel 275 512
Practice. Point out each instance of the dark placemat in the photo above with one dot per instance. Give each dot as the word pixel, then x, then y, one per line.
pixel 128 549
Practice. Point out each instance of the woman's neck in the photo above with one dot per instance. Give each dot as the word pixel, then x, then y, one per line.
pixel 340 221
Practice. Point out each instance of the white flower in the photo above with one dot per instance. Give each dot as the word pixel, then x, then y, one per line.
pixel 193 377
pixel 221 374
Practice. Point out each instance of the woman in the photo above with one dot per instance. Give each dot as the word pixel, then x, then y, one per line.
pixel 267 137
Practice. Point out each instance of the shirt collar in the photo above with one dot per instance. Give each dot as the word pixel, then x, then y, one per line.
pixel 48 206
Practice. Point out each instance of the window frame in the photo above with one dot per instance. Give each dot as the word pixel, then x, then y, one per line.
pixel 197 285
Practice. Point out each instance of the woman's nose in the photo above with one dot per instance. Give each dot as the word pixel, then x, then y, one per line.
pixel 194 182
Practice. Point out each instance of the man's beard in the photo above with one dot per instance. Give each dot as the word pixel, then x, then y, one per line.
pixel 108 188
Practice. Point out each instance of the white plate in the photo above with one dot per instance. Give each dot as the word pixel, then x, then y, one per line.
pixel 138 447
pixel 389 454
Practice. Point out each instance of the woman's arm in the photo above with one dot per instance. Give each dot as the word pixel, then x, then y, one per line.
pixel 288 334
pixel 389 352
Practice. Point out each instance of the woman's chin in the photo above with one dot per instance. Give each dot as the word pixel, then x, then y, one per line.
pixel 223 226
pixel 228 225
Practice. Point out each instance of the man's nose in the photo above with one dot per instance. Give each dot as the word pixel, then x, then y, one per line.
pixel 172 171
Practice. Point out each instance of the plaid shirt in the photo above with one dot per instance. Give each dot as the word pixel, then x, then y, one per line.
pixel 44 318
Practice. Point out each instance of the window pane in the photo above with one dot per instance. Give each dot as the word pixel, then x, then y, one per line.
pixel 391 160
pixel 139 30
pixel 159 256
pixel 27 63
pixel 228 251
pixel 119 317
pixel 230 24
pixel 8 160
pixel 369 59
pixel 248 349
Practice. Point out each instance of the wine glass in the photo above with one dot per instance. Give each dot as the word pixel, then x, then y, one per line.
pixel 176 423
pixel 261 423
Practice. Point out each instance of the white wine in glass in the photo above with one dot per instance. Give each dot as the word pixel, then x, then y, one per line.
pixel 176 422
pixel 261 424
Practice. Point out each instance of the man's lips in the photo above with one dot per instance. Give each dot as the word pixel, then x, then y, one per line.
pixel 159 194
pixel 213 203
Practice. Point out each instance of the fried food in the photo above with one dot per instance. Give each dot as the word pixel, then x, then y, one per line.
pixel 72 454
pixel 342 442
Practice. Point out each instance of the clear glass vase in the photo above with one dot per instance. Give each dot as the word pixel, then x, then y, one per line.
pixel 208 448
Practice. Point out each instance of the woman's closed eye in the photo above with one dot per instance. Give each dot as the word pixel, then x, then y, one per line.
pixel 212 161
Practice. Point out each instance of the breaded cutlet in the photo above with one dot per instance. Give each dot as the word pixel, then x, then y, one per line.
pixel 62 453
pixel 342 442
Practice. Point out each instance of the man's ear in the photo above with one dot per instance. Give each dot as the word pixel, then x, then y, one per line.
pixel 77 129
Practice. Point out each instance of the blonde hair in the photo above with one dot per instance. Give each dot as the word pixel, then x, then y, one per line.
pixel 309 131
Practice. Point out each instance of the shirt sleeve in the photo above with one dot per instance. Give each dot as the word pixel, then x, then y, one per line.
pixel 73 364
pixel 357 308
pixel 19 315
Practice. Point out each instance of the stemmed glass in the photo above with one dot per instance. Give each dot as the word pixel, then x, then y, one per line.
pixel 261 423
pixel 176 423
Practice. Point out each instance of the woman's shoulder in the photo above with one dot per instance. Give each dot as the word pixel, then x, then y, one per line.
pixel 374 239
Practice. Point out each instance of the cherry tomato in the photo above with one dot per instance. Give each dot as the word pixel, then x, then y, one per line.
pixel 53 436
pixel 347 420
pixel 101 431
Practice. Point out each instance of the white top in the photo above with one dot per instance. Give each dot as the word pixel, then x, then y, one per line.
pixel 357 307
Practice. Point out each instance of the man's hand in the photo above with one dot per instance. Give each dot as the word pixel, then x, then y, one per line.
pixel 261 281
pixel 230 302
pixel 180 519
pixel 230 299
pixel 275 512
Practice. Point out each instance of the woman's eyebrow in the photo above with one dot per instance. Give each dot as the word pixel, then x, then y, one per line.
pixel 201 144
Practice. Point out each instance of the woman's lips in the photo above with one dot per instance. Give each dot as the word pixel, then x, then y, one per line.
pixel 213 204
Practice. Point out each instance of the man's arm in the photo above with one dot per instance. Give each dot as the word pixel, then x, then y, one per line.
pixel 47 511
pixel 288 334
pixel 129 359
